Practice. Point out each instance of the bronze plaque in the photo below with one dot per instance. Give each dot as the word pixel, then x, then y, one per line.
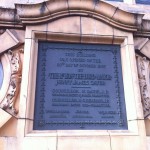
pixel 79 87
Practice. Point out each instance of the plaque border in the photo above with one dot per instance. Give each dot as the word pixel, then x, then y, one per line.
pixel 127 51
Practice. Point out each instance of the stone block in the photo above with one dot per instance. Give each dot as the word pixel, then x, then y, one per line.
pixel 128 82
pixel 4 117
pixel 99 8
pixel 31 29
pixel 74 5
pixel 128 35
pixel 127 143
pixel 11 41
pixel 140 42
pixel 94 27
pixel 145 50
pixel 18 34
pixel 3 143
pixel 94 39
pixel 81 133
pixel 24 84
pixel 65 25
pixel 147 127
pixel 84 143
pixel 33 11
pixel 9 128
pixel 135 82
pixel 12 143
pixel 39 143
pixel 53 6
pixel 59 37
pixel 148 142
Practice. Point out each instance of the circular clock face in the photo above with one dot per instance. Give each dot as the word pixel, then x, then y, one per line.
pixel 1 74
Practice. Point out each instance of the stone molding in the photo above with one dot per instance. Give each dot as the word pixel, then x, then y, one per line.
pixel 51 10
pixel 143 73
pixel 10 37
pixel 142 47
pixel 14 38
pixel 29 14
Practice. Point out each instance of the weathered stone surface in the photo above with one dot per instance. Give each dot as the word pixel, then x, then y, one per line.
pixel 4 117
pixel 65 25
pixel 3 143
pixel 13 37
pixel 137 143
pixel 104 24
pixel 84 143
pixel 11 4
pixel 147 124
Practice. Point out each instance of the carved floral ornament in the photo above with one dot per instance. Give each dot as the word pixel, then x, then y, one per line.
pixel 12 67
pixel 144 80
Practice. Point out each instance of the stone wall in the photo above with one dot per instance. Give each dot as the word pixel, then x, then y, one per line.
pixel 72 21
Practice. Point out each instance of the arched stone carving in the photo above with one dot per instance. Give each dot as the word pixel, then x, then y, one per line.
pixel 144 81
pixel 8 102
pixel 46 11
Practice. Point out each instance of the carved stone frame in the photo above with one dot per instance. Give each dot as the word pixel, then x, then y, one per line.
pixel 130 80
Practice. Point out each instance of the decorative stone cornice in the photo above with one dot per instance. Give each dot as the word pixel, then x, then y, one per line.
pixel 31 14
pixel 9 18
